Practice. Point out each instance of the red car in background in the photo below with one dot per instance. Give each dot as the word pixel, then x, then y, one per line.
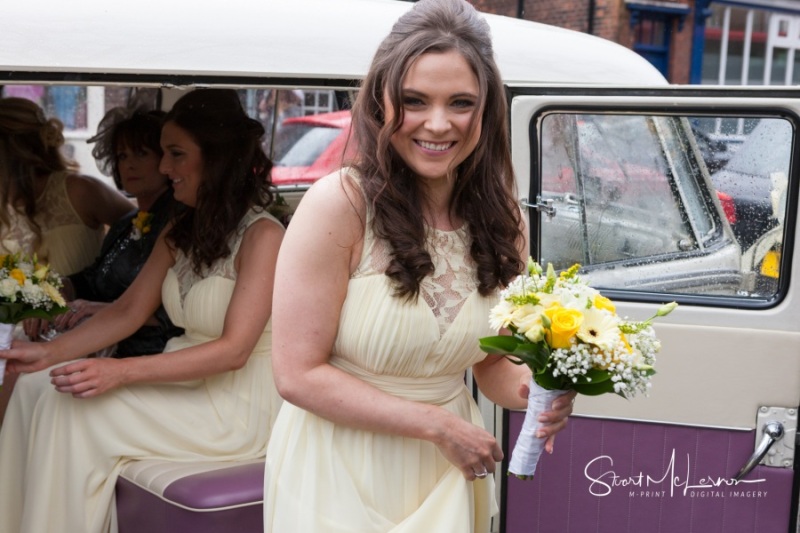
pixel 317 147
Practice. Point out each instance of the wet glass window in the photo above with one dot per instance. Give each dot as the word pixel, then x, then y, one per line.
pixel 636 200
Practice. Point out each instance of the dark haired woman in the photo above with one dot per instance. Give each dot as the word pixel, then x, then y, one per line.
pixel 128 149
pixel 71 427
pixel 379 432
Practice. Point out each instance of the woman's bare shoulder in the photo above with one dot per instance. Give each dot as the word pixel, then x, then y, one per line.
pixel 337 196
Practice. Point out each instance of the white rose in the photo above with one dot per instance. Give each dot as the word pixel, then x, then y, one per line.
pixel 8 288
pixel 528 320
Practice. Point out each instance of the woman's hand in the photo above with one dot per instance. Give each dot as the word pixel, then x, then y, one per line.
pixel 79 310
pixel 555 419
pixel 36 328
pixel 26 356
pixel 472 449
pixel 88 378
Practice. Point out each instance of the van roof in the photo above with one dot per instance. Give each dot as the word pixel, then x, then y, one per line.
pixel 98 39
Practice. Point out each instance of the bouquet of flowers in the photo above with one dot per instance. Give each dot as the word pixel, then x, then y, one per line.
pixel 571 338
pixel 28 289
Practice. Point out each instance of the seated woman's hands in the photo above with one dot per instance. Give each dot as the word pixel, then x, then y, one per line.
pixel 26 356
pixel 38 329
pixel 79 310
pixel 87 378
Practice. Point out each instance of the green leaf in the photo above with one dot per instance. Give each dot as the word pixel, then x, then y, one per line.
pixel 598 375
pixel 594 389
pixel 546 380
pixel 499 344
pixel 534 355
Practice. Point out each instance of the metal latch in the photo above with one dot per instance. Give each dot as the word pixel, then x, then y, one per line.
pixel 543 206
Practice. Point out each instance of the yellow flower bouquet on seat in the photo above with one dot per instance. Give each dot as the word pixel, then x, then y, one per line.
pixel 571 338
pixel 28 289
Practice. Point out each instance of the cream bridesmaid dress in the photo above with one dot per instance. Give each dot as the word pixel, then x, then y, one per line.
pixel 323 477
pixel 67 244
pixel 60 456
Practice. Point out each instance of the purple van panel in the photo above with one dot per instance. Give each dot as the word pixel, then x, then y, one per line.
pixel 631 477
pixel 139 511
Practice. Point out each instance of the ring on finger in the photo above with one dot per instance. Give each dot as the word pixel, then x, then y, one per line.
pixel 481 475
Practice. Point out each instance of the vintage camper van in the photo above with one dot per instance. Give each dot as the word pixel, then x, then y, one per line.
pixel 612 171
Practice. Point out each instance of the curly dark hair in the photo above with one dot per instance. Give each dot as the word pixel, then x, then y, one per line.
pixel 236 172
pixel 136 129
pixel 484 193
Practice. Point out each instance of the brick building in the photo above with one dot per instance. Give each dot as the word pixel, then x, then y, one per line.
pixel 690 41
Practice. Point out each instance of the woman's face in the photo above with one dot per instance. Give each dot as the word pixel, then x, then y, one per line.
pixel 182 162
pixel 440 94
pixel 138 171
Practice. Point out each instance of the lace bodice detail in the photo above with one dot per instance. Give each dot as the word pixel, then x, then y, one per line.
pixel 54 210
pixel 223 268
pixel 452 281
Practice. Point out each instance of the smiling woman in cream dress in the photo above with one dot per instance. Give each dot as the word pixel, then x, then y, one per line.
pixel 377 317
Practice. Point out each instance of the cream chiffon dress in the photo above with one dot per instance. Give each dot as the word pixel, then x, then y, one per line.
pixel 322 477
pixel 60 456
pixel 67 244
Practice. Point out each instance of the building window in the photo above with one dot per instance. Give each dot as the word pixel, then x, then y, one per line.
pixel 652 22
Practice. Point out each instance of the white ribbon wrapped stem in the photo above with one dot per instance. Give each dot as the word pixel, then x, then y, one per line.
pixel 6 334
pixel 529 447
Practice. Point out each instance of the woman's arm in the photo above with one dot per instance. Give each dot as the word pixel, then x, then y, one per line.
pixel 111 324
pixel 506 384
pixel 95 202
pixel 314 267
pixel 247 316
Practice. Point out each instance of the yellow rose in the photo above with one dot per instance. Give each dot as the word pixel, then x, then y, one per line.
pixel 601 302
pixel 18 275
pixel 564 324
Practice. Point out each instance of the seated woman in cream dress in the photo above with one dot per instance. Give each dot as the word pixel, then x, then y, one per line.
pixel 73 423
pixel 379 432
pixel 45 207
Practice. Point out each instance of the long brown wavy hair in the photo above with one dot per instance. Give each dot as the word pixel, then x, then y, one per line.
pixel 29 149
pixel 236 172
pixel 484 191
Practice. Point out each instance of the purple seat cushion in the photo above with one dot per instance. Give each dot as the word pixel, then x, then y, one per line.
pixel 160 499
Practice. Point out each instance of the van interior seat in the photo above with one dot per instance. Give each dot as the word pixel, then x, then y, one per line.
pixel 159 496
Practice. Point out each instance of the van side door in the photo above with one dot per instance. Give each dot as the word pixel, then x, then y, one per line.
pixel 630 185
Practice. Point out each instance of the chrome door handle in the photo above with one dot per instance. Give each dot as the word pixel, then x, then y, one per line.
pixel 773 432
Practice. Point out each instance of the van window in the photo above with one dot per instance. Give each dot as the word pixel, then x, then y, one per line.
pixel 305 129
pixel 633 198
